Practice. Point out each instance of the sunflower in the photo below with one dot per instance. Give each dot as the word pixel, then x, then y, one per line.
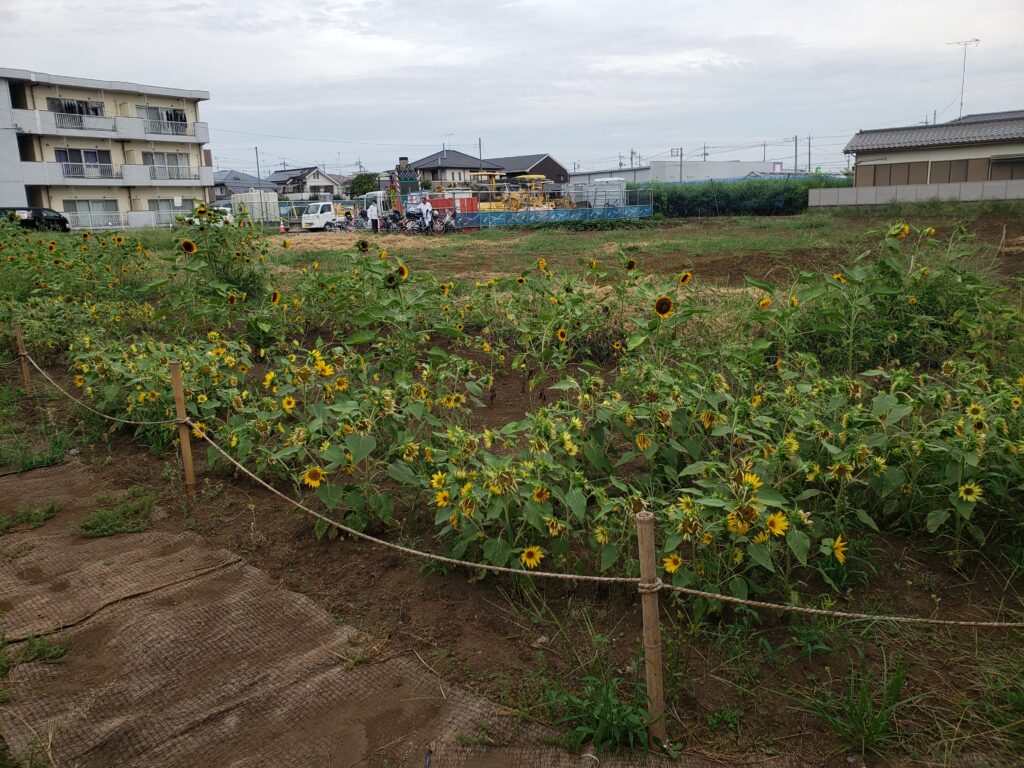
pixel 840 471
pixel 542 265
pixel 521 280
pixel 437 480
pixel 969 492
pixel 794 301
pixel 975 411
pixel 593 263
pixel 764 302
pixel 442 498
pixel 531 556
pixel 460 327
pixel 777 523
pixel 86 235
pixel 643 442
pixel 286 244
pixel 363 245
pixel 118 240
pixel 911 300
pixel 562 335
pixel 541 494
pixel 383 255
pixel 555 528
pixel 275 297
pixel 601 535
pixel 630 264
pixel 839 548
pixel 685 278
pixel 402 271
pixel 838 277
pixel 752 481
pixel 444 289
pixel 390 280
pixel 708 419
pixel 313 477
pixel 199 429
pixel 288 403
pixel 52 247
pixel 232 299
pixel 663 307
pixel 79 381
pixel 188 246
pixel 617 346
pixel 672 563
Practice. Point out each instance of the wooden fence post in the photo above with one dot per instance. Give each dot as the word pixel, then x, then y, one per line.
pixel 649 584
pixel 24 359
pixel 183 436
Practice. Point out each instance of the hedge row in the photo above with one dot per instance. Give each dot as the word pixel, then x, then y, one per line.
pixel 756 197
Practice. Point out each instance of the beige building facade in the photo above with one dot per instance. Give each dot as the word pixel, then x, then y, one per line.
pixel 103 153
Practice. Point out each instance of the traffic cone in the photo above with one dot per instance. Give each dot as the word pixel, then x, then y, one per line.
pixel 281 227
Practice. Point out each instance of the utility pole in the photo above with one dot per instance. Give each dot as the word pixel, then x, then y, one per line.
pixel 621 163
pixel 796 141
pixel 705 152
pixel 808 153
pixel 259 187
pixel 764 151
pixel 935 116
pixel 480 151
pixel 678 152
pixel 963 75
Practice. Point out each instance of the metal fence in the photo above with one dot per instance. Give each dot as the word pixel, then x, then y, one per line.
pixel 122 219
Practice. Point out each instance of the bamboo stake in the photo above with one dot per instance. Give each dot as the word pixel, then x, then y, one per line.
pixel 649 584
pixel 183 436
pixel 24 359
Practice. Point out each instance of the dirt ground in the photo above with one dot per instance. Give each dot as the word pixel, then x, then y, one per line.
pixel 713 247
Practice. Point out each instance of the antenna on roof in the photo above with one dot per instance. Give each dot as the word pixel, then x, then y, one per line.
pixel 963 75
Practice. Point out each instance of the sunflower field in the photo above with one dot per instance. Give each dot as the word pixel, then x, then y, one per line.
pixel 774 430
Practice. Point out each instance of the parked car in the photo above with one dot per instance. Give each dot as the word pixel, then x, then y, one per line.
pixel 37 218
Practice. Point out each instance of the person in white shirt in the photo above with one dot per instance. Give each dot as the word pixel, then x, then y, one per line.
pixel 374 217
pixel 427 212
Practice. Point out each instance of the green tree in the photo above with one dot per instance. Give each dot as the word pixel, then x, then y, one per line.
pixel 362 183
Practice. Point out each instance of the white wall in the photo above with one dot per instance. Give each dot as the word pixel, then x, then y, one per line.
pixel 12 185
pixel 965 191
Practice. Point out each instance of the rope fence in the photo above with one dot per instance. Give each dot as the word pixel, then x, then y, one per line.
pixel 648 584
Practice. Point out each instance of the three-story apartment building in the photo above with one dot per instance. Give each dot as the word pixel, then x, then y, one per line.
pixel 104 153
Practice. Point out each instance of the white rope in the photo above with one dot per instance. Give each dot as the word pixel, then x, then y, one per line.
pixel 607 579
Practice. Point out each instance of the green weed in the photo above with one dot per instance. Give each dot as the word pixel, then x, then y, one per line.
pixel 33 517
pixel 728 717
pixel 44 649
pixel 864 714
pixel 128 515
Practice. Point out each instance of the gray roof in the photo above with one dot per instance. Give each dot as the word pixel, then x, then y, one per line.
pixel 452 158
pixel 287 174
pixel 28 76
pixel 239 182
pixel 971 129
pixel 516 163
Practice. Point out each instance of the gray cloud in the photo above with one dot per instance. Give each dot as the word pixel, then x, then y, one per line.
pixel 582 80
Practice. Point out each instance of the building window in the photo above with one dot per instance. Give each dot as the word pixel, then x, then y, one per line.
pixel 167 165
pixel 85 163
pixel 75 107
pixel 90 206
pixel 163 119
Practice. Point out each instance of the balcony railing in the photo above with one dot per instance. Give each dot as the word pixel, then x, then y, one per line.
pixel 171 127
pixel 83 122
pixel 173 172
pixel 90 171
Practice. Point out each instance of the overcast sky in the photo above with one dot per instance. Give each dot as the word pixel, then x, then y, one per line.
pixel 336 82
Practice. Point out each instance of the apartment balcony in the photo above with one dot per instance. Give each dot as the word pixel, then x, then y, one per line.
pixel 41 122
pixel 100 175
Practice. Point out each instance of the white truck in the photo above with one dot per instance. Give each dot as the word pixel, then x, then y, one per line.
pixel 326 215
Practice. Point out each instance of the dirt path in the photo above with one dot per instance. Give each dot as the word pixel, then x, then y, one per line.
pixel 181 654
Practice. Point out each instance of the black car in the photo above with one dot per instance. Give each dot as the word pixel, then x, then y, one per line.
pixel 37 218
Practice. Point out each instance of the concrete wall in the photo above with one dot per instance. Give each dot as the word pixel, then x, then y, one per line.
pixel 915 193
pixel 12 188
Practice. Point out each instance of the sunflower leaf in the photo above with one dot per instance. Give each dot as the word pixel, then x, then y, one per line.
pixel 330 494
pixel 799 544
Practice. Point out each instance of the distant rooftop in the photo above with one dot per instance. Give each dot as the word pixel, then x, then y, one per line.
pixel 28 76
pixel 452 158
pixel 984 128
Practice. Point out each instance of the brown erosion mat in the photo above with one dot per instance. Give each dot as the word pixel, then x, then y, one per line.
pixel 183 655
